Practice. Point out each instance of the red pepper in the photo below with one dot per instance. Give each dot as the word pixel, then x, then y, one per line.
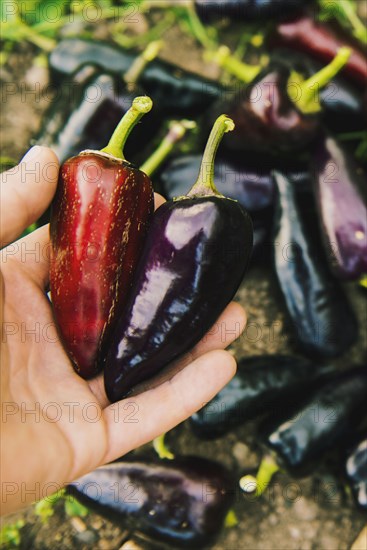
pixel 320 40
pixel 99 220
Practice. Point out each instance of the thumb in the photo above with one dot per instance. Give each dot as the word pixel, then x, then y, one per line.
pixel 26 191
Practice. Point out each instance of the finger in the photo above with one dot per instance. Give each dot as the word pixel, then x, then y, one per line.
pixel 227 328
pixel 26 191
pixel 134 422
pixel 33 254
pixel 158 200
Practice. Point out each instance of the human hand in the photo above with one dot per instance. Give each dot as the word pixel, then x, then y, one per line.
pixel 55 426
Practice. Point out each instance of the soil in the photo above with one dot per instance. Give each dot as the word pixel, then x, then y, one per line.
pixel 304 514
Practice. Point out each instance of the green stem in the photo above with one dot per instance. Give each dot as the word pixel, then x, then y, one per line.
pixel 176 132
pixel 305 95
pixel 204 184
pixel 141 105
pixel 244 72
pixel 267 469
pixel 350 14
pixel 161 449
pixel 133 73
pixel 345 11
pixel 198 28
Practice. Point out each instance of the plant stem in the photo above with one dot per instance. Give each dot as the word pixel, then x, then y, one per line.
pixel 244 72
pixel 204 185
pixel 198 28
pixel 161 449
pixel 305 95
pixel 133 73
pixel 344 11
pixel 176 132
pixel 141 105
pixel 258 484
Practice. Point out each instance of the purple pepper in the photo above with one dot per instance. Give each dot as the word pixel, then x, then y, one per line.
pixel 338 184
pixel 196 254
pixel 182 502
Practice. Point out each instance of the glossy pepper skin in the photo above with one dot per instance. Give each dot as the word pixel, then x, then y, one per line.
pixel 325 325
pixel 182 93
pixel 325 420
pixel 99 219
pixel 83 123
pixel 320 40
pixel 339 183
pixel 266 118
pixel 89 107
pixel 262 384
pixel 356 472
pixel 196 254
pixel 248 10
pixel 182 502
pixel 249 183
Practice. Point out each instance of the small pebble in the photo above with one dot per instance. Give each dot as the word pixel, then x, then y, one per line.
pixel 97 524
pixel 87 537
pixel 294 532
pixel 130 545
pixel 104 544
pixel 78 524
pixel 305 509
pixel 244 456
pixel 273 520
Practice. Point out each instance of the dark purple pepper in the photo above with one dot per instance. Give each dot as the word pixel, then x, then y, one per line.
pixel 279 111
pixel 247 181
pixel 342 103
pixel 196 254
pixel 252 187
pixel 180 93
pixel 84 116
pixel 262 384
pixel 323 320
pixel 266 118
pixel 356 472
pixel 182 502
pixel 339 184
pixel 327 419
pixel 248 10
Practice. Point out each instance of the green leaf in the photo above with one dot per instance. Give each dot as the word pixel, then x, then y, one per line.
pixel 44 510
pixel 45 507
pixel 10 536
pixel 74 508
pixel 231 520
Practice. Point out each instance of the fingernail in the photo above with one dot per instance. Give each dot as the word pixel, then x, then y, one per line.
pixel 32 154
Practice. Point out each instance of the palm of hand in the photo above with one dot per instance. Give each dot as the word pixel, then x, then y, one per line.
pixel 56 425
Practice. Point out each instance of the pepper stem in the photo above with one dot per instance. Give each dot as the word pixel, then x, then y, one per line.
pixel 305 93
pixel 204 184
pixel 266 471
pixel 345 12
pixel 176 132
pixel 132 75
pixel 141 105
pixel 161 448
pixel 223 57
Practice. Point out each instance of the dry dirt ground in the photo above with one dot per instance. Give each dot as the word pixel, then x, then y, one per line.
pixel 315 513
